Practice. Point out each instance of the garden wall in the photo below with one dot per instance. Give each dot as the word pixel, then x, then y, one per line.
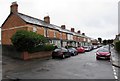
pixel 10 51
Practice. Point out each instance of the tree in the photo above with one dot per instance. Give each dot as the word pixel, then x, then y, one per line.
pixel 100 40
pixel 24 40
pixel 110 41
pixel 104 42
pixel 117 46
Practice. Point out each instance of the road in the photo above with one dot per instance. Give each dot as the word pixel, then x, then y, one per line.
pixel 82 66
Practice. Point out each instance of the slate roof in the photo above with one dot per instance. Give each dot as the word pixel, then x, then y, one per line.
pixel 33 20
pixel 40 22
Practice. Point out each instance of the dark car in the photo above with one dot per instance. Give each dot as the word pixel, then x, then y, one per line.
pixel 61 52
pixel 103 54
pixel 73 51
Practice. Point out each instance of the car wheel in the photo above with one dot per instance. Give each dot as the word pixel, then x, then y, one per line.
pixel 63 56
pixel 74 54
pixel 53 57
pixel 108 58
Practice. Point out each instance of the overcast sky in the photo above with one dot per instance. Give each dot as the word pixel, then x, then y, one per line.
pixel 95 18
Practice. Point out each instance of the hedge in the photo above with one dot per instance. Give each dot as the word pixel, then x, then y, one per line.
pixel 25 40
pixel 117 46
pixel 39 48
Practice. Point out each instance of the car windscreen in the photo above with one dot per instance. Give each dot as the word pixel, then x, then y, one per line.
pixel 71 49
pixel 60 49
pixel 64 50
pixel 56 50
pixel 103 50
pixel 85 47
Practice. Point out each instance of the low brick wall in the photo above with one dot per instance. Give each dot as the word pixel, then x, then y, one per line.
pixel 10 51
pixel 43 54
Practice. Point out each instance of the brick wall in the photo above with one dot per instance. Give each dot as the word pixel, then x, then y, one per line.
pixel 58 34
pixel 7 34
pixel 13 21
pixel 64 36
pixel 75 38
pixel 51 33
pixel 40 30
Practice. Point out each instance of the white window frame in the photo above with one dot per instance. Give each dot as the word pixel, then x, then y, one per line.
pixel 34 29
pixel 46 34
pixel 55 33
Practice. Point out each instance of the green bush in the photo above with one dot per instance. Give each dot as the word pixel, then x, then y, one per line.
pixel 25 40
pixel 117 46
pixel 49 47
pixel 42 48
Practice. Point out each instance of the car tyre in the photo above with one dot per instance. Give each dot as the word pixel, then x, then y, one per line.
pixel 53 57
pixel 108 58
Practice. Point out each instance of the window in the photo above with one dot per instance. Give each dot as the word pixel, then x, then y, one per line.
pixel 46 34
pixel 60 35
pixel 55 33
pixel 34 29
pixel 84 39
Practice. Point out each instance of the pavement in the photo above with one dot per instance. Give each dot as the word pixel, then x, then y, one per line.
pixel 115 58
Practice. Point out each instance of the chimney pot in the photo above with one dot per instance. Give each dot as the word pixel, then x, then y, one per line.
pixel 47 19
pixel 83 34
pixel 14 7
pixel 78 32
pixel 63 26
pixel 72 29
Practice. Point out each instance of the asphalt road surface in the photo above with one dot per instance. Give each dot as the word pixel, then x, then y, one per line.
pixel 82 66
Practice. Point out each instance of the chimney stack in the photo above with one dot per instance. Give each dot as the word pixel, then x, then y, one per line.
pixel 63 26
pixel 79 32
pixel 14 7
pixel 72 30
pixel 83 34
pixel 47 19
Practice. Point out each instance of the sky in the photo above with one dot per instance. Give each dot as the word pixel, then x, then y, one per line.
pixel 95 18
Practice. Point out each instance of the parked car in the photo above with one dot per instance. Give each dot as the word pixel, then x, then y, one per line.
pixel 73 51
pixel 87 48
pixel 61 52
pixel 80 50
pixel 103 54
pixel 95 46
pixel 91 47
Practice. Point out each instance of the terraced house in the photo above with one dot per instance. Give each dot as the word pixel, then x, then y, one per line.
pixel 57 35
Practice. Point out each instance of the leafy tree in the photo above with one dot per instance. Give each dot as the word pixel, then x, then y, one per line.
pixel 110 41
pixel 100 40
pixel 117 46
pixel 104 42
pixel 24 40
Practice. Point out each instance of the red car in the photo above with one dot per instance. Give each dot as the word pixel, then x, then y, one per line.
pixel 80 50
pixel 103 54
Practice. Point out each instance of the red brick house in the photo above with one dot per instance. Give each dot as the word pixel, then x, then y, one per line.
pixel 57 35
